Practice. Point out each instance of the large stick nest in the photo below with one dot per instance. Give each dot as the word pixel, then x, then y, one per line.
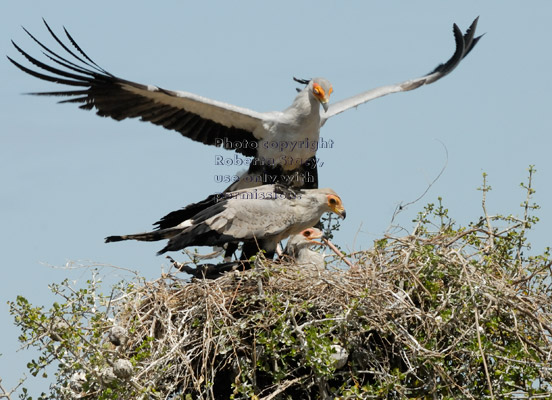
pixel 422 315
pixel 440 313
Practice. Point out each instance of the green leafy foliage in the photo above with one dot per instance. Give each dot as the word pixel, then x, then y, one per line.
pixel 446 312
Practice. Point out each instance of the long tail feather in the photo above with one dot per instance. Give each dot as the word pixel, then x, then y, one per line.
pixel 146 236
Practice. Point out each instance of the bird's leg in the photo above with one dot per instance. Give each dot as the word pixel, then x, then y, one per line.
pixel 230 251
pixel 279 250
pixel 182 267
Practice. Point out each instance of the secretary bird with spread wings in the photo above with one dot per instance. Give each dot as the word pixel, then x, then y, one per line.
pixel 272 138
pixel 264 215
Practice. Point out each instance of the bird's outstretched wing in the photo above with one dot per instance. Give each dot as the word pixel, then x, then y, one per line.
pixel 198 118
pixel 464 44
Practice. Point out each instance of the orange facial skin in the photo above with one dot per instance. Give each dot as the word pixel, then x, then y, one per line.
pixel 312 233
pixel 336 205
pixel 320 94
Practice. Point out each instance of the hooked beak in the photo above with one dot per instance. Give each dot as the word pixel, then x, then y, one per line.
pixel 340 210
pixel 325 104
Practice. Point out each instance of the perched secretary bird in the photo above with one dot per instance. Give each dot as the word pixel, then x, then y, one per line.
pixel 298 247
pixel 264 215
pixel 283 143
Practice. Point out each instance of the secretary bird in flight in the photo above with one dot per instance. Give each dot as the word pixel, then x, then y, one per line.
pixel 271 138
pixel 264 215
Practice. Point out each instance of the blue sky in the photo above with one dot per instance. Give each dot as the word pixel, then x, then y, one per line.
pixel 70 178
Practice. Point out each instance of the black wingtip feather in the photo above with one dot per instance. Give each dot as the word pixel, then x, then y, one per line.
pixel 81 51
pixel 464 45
pixel 473 43
pixel 67 49
pixel 46 77
pixel 48 68
pixel 56 57
pixel 70 65
pixel 111 239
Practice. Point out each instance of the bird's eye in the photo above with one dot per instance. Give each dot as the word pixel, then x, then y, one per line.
pixel 307 233
pixel 333 201
pixel 316 91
